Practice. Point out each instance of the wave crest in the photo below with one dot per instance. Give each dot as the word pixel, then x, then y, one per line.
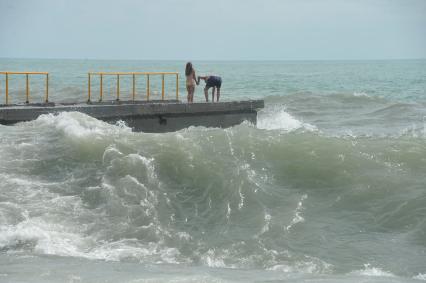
pixel 276 118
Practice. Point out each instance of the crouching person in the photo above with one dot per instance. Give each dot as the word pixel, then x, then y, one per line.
pixel 214 82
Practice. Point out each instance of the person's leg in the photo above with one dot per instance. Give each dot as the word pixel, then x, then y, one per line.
pixel 213 89
pixel 192 94
pixel 189 92
pixel 206 94
pixel 218 87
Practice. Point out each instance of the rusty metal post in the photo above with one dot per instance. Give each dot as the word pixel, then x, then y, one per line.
pixel 101 89
pixel 118 88
pixel 88 87
pixel 162 87
pixel 27 93
pixel 7 88
pixel 147 87
pixel 47 88
pixel 177 86
pixel 134 91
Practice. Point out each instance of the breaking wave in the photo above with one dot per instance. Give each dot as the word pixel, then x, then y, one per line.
pixel 271 197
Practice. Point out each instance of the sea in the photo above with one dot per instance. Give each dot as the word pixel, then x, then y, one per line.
pixel 328 186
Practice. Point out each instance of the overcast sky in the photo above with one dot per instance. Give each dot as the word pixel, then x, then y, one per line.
pixel 213 30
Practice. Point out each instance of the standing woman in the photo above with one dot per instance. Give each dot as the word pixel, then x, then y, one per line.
pixel 190 81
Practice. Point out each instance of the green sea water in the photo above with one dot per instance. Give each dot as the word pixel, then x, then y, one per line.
pixel 328 186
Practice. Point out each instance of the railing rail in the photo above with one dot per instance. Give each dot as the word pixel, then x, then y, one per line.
pixel 27 84
pixel 133 75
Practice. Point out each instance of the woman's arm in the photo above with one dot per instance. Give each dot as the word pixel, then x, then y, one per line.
pixel 195 78
pixel 202 78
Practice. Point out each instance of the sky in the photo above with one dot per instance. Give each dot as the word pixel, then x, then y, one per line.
pixel 213 30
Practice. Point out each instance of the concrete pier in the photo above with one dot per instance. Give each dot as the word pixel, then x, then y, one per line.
pixel 146 116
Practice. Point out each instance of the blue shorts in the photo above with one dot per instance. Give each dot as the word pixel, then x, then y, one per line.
pixel 214 81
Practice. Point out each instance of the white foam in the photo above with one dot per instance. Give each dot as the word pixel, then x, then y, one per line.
pixel 278 119
pixel 111 153
pixel 360 94
pixel 267 217
pixel 311 267
pixel 184 236
pixel 44 238
pixel 420 276
pixel 213 259
pixel 136 165
pixel 54 239
pixel 228 211
pixel 372 271
pixel 298 218
pixel 76 125
pixel 130 248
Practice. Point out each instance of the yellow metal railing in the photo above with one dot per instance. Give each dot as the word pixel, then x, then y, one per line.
pixel 27 91
pixel 133 74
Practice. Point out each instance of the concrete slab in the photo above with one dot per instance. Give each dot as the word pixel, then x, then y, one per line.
pixel 152 116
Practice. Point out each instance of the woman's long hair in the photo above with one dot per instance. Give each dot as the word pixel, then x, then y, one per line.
pixel 188 69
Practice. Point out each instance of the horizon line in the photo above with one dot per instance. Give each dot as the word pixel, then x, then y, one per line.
pixel 213 60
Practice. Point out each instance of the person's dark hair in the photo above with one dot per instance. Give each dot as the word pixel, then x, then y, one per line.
pixel 188 69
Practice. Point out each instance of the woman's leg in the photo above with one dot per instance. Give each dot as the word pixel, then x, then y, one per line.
pixel 191 90
pixel 189 93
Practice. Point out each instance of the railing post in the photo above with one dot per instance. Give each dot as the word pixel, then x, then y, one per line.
pixel 147 87
pixel 162 87
pixel 101 88
pixel 47 88
pixel 7 88
pixel 88 87
pixel 177 86
pixel 134 92
pixel 27 93
pixel 118 88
